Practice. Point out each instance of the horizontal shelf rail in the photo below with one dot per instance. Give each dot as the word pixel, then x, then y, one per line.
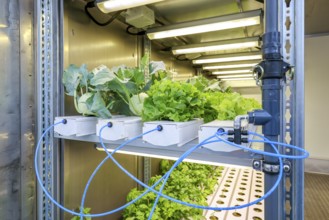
pixel 238 158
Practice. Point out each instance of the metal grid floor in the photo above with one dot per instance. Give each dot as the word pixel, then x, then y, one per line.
pixel 237 187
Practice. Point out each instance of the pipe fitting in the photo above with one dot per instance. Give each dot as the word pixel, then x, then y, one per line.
pixel 259 117
pixel 238 119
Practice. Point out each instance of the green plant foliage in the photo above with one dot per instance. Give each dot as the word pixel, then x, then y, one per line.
pixel 189 182
pixel 104 91
pixel 229 105
pixel 85 211
pixel 203 84
pixel 174 101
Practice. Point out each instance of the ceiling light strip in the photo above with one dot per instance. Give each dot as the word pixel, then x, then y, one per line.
pixel 231 21
pixel 107 6
pixel 231 71
pixel 228 58
pixel 235 76
pixel 238 79
pixel 241 43
pixel 229 66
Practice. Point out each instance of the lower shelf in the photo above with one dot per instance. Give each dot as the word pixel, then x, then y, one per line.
pixel 237 187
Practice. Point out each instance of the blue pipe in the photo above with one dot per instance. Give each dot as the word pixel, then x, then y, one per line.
pixel 166 176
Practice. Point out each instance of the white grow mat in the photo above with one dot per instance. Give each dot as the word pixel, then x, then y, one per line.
pixel 237 187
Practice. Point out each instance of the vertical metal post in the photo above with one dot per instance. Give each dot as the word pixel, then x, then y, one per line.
pixel 292 33
pixel 48 66
pixel 297 133
pixel 146 160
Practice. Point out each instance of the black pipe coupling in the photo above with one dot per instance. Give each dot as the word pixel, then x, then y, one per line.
pixel 272 66
pixel 271 46
pixel 259 117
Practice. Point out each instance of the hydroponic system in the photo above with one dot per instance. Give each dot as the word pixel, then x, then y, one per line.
pixel 143 111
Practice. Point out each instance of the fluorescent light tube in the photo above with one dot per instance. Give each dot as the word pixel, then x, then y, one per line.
pixel 107 6
pixel 169 157
pixel 224 22
pixel 217 46
pixel 236 79
pixel 228 58
pixel 235 76
pixel 232 72
pixel 230 65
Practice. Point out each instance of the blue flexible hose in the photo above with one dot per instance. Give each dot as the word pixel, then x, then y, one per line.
pixel 166 176
pixel 184 203
pixel 221 208
pixel 305 153
pixel 133 201
pixel 99 166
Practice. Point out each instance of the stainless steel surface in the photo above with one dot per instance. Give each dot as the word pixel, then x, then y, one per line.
pixel 10 113
pixel 17 192
pixel 110 186
pixel 85 42
pixel 27 110
pixel 47 67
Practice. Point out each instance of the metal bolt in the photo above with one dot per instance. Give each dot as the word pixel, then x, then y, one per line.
pixel 256 164
pixel 286 168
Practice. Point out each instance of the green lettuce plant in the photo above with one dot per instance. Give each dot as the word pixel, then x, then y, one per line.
pixel 189 182
pixel 229 105
pixel 175 101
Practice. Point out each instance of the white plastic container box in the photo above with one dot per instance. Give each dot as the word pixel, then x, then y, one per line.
pixel 122 128
pixel 172 133
pixel 209 129
pixel 76 125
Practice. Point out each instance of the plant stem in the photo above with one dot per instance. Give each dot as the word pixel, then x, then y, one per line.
pixel 75 101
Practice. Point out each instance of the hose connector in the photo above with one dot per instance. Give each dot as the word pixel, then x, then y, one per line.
pixel 238 119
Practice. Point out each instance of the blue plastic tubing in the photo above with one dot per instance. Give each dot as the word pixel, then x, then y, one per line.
pixel 166 176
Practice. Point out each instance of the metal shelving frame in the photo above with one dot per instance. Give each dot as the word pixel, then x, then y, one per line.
pixel 49 51
pixel 48 23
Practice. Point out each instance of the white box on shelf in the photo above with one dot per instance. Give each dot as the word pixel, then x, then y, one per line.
pixel 122 128
pixel 209 129
pixel 173 133
pixel 76 125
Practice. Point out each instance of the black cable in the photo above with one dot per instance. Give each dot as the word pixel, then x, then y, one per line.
pixel 132 33
pixel 92 5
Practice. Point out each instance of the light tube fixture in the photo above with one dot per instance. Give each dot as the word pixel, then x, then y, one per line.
pixel 107 6
pixel 168 157
pixel 228 57
pixel 230 65
pixel 217 46
pixel 237 79
pixel 224 22
pixel 234 76
pixel 231 72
